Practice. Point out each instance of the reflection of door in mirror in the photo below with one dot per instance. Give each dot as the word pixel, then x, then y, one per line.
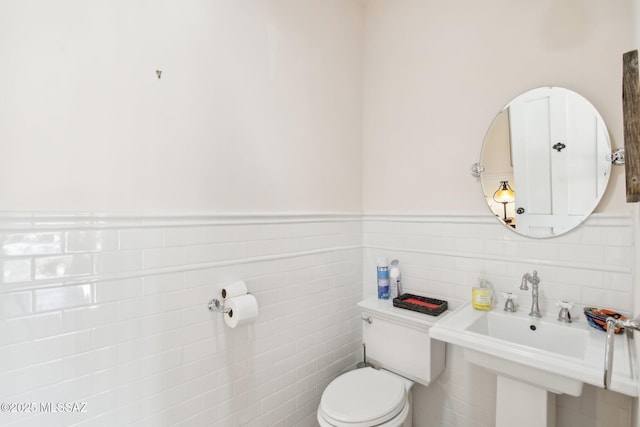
pixel 549 127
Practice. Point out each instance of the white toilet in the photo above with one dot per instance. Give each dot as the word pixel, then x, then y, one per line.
pixel 398 343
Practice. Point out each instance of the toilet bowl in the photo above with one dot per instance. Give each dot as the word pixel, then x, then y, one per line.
pixel 398 343
pixel 366 397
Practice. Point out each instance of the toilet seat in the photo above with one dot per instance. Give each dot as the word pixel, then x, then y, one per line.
pixel 363 397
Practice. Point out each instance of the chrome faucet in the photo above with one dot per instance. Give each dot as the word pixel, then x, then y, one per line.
pixel 534 280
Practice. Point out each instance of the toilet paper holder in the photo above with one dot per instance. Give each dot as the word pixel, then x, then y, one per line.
pixel 215 305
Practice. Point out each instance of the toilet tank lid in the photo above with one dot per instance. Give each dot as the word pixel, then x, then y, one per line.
pixel 363 396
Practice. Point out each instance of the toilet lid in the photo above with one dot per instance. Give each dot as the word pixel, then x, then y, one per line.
pixel 363 397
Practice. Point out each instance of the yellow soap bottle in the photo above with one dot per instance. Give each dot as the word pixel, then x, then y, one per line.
pixel 482 296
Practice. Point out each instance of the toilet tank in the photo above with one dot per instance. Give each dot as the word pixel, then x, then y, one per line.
pixel 398 340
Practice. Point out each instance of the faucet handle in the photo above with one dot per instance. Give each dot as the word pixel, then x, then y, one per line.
pixel 509 304
pixel 565 304
pixel 564 315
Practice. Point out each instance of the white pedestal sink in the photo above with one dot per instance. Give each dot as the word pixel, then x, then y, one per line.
pixel 535 359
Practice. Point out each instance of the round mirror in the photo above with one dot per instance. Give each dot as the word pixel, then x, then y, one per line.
pixel 545 162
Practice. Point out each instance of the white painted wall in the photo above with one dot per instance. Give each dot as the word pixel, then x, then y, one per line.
pixel 257 97
pixel 436 73
pixel 258 107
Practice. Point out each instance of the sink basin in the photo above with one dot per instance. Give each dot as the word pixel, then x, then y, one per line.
pixel 544 353
pixel 556 338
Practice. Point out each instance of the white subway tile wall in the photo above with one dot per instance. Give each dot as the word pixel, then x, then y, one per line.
pixel 444 255
pixel 111 311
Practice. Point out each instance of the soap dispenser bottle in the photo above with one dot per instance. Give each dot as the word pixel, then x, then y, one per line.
pixel 482 295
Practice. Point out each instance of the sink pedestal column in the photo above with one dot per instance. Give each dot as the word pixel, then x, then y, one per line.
pixel 523 405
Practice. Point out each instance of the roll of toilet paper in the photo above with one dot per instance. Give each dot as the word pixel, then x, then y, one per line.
pixel 232 290
pixel 242 309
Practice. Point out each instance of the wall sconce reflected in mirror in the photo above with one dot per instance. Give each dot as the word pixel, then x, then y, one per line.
pixel 504 194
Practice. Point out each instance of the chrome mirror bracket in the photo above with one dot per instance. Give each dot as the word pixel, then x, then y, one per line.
pixel 476 169
pixel 616 157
